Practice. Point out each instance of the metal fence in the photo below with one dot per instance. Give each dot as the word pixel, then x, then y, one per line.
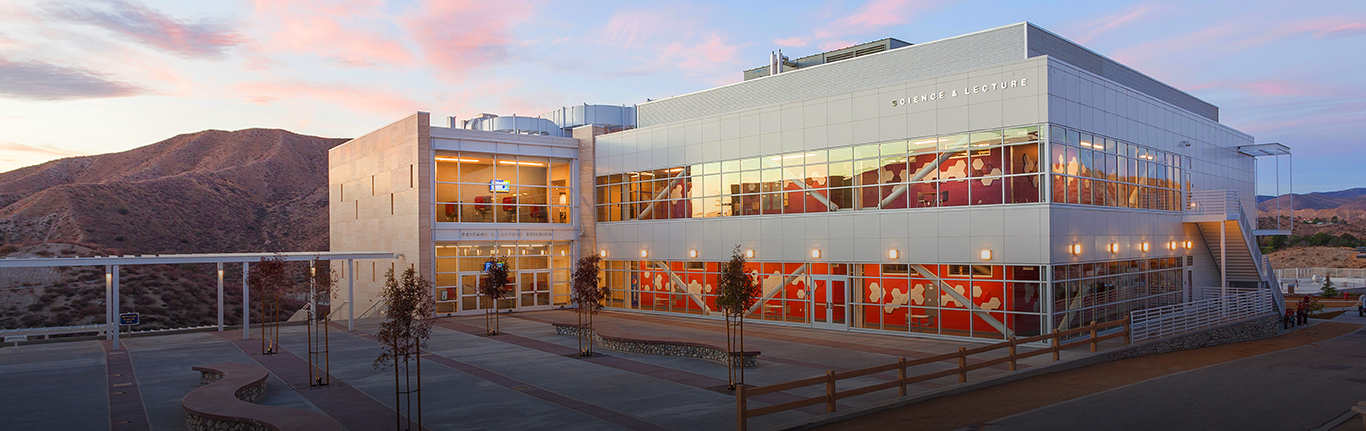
pixel 1321 272
pixel 1222 203
pixel 1175 319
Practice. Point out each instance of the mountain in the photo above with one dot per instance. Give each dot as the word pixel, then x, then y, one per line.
pixel 210 191
pixel 1348 199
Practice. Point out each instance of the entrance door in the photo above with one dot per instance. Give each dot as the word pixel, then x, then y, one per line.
pixel 828 304
pixel 533 288
pixel 469 292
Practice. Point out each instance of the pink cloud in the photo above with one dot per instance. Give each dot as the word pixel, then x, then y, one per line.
pixel 1119 19
pixel 339 30
pixel 203 38
pixel 673 38
pixel 40 150
pixel 464 35
pixel 1349 29
pixel 356 98
pixel 872 16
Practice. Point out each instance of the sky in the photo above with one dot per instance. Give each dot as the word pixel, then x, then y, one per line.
pixel 99 76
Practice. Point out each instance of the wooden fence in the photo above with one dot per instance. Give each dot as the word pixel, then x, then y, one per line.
pixel 1057 340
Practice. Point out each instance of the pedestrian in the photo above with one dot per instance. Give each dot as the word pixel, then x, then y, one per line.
pixel 1288 319
pixel 1302 315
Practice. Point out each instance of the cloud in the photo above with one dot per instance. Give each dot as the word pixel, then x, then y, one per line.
pixel 202 38
pixel 1349 29
pixel 356 98
pixel 1097 26
pixel 347 32
pixel 46 150
pixel 674 38
pixel 872 16
pixel 42 81
pixel 462 36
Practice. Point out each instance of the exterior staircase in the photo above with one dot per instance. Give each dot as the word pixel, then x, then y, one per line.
pixel 1230 239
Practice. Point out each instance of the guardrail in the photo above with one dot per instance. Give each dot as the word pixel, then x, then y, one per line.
pixel 1214 203
pixel 831 378
pixel 1321 272
pixel 1175 319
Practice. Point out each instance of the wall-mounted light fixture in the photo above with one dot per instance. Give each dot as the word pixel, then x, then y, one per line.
pixel 1171 245
pixel 749 254
pixel 815 253
pixel 893 254
pixel 986 254
pixel 1076 249
pixel 692 254
pixel 1189 244
pixel 602 253
pixel 644 253
pixel 1143 247
pixel 1113 247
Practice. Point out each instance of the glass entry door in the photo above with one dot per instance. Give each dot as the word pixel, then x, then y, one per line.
pixel 533 288
pixel 469 292
pixel 828 303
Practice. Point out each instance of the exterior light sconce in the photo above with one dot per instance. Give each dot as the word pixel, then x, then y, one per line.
pixel 1189 244
pixel 1076 249
pixel 692 254
pixel 893 254
pixel 602 253
pixel 1171 245
pixel 1143 247
pixel 749 254
pixel 644 254
pixel 1113 247
pixel 815 253
pixel 986 254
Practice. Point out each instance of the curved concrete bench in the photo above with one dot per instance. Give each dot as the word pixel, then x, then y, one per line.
pixel 222 404
pixel 613 337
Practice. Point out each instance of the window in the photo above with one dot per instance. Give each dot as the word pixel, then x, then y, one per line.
pixel 486 188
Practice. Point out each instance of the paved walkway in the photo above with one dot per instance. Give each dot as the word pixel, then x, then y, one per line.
pixel 527 378
pixel 1300 380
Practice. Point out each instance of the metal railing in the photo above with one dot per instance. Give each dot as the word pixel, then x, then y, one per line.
pixel 1213 203
pixel 1058 340
pixel 1321 272
pixel 1274 283
pixel 1176 319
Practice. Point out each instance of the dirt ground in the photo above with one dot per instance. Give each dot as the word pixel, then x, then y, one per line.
pixel 1015 397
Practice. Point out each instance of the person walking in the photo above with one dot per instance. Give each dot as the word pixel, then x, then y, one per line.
pixel 1288 319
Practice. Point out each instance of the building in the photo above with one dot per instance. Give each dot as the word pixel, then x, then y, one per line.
pixel 1004 182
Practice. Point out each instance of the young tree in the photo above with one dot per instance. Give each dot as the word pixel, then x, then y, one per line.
pixel 736 293
pixel 588 299
pixel 269 281
pixel 493 286
pixel 1329 291
pixel 320 281
pixel 403 335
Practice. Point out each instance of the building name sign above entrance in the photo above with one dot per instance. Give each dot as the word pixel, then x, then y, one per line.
pixel 512 235
pixel 976 89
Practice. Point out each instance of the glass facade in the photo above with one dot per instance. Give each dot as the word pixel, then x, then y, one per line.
pixel 910 298
pixel 1090 169
pixel 498 188
pixel 989 167
pixel 539 274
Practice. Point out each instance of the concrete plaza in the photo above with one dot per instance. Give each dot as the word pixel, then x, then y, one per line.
pixel 526 378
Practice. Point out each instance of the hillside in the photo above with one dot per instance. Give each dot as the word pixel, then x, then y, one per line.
pixel 210 191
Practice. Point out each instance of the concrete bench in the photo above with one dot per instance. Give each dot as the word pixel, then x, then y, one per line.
pixel 614 337
pixel 224 403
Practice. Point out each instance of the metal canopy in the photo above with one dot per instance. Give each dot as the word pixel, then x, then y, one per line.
pixel 1262 150
pixel 190 258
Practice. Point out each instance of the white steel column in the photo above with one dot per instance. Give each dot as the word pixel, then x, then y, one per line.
pixel 220 296
pixel 116 307
pixel 1223 258
pixel 246 303
pixel 110 320
pixel 350 295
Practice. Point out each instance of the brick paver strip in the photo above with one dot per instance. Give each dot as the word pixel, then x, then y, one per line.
pixel 345 403
pixel 126 411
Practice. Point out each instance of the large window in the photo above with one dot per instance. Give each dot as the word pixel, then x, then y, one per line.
pixel 982 168
pixel 539 274
pixel 1108 291
pixel 487 188
pixel 1090 169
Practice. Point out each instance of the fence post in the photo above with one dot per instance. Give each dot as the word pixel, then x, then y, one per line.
pixel 829 391
pixel 1055 345
pixel 1093 336
pixel 1128 329
pixel 901 377
pixel 962 364
pixel 1012 353
pixel 741 419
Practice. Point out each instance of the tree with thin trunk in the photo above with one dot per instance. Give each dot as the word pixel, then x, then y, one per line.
pixel 736 293
pixel 403 335
pixel 321 280
pixel 588 299
pixel 493 286
pixel 269 281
